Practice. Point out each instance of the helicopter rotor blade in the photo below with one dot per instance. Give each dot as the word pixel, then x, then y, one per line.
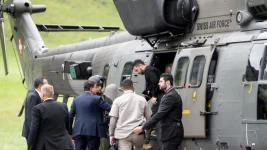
pixel 3 45
pixel 3 41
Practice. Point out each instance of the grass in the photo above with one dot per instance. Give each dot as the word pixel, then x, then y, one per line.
pixel 13 92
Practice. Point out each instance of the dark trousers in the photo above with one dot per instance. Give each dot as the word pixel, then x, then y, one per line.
pixel 172 144
pixel 82 141
pixel 28 148
pixel 154 109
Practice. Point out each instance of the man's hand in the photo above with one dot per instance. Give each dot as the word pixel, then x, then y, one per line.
pixel 138 130
pixel 147 96
pixel 111 140
pixel 71 138
pixel 154 100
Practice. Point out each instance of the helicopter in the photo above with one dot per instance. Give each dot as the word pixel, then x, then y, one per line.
pixel 217 49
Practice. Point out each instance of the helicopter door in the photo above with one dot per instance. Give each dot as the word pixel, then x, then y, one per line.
pixel 190 72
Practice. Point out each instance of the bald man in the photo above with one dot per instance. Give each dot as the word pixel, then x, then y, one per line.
pixel 49 124
pixel 32 99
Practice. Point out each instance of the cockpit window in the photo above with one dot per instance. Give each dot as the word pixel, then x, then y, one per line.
pixel 197 71
pixel 252 71
pixel 181 71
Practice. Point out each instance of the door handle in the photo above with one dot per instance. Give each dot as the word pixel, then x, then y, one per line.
pixel 204 113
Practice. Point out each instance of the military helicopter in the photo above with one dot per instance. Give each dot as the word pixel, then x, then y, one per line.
pixel 217 48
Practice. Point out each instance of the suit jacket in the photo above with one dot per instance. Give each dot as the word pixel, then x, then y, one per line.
pixel 49 128
pixel 169 115
pixel 88 112
pixel 32 99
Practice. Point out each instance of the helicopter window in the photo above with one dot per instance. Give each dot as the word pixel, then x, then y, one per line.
pixel 253 65
pixel 106 70
pixel 105 74
pixel 127 71
pixel 262 102
pixel 197 71
pixel 181 71
pixel 211 76
pixel 263 74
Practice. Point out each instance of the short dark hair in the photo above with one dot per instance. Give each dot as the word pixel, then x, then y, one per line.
pixel 168 65
pixel 137 62
pixel 167 77
pixel 38 81
pixel 88 84
pixel 126 84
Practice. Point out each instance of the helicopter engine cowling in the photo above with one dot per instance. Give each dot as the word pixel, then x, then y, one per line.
pixel 149 17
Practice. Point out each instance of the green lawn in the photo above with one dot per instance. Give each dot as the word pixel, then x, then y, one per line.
pixel 12 93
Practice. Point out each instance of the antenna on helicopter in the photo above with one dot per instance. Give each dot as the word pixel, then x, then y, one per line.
pixel 2 38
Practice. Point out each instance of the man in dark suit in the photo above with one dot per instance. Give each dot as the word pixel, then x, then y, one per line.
pixel 88 112
pixel 33 99
pixel 50 120
pixel 100 83
pixel 169 115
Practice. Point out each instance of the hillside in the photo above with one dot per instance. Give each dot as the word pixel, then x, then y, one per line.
pixel 12 93
pixel 82 12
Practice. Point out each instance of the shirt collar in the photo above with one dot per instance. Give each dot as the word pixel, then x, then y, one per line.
pixel 169 89
pixel 88 92
pixel 48 99
pixel 39 93
pixel 128 91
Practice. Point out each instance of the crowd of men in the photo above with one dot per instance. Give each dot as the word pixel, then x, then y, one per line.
pixel 128 120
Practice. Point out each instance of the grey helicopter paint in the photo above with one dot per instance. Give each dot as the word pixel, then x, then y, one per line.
pixel 219 65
